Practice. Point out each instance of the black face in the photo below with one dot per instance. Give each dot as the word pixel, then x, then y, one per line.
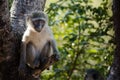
pixel 38 24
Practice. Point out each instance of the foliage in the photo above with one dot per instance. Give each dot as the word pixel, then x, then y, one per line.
pixel 84 36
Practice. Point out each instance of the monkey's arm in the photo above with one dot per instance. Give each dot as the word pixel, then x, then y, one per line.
pixel 23 53
pixel 22 64
pixel 55 50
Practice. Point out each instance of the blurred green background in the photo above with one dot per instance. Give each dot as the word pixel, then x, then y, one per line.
pixel 84 33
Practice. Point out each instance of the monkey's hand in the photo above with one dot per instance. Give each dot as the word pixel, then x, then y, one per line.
pixel 56 57
pixel 22 69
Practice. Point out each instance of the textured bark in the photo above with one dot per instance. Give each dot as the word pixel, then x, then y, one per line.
pixel 115 68
pixel 6 38
pixel 5 30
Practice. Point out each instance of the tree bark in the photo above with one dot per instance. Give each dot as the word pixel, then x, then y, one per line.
pixel 115 68
pixel 6 39
pixel 10 37
pixel 5 30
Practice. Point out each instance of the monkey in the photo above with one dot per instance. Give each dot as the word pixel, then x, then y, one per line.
pixel 92 74
pixel 44 61
pixel 37 36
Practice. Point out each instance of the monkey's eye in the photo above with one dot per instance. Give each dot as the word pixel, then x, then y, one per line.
pixel 38 22
pixel 42 22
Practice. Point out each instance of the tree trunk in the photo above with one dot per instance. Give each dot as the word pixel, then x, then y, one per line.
pixel 10 39
pixel 115 68
pixel 4 29
pixel 6 39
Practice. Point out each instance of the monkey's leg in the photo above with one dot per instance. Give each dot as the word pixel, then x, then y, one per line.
pixel 46 49
pixel 55 51
pixel 35 58
pixel 43 59
pixel 45 54
pixel 32 56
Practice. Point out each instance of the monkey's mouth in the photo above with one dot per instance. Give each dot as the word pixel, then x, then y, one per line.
pixel 39 29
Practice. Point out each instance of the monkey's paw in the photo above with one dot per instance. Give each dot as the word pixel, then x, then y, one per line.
pixel 56 57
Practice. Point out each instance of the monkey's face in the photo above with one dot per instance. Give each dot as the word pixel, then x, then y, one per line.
pixel 38 24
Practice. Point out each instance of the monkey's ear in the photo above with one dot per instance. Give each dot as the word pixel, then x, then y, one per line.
pixel 28 18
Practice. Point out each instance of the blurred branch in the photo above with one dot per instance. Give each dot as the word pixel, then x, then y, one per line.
pixel 79 51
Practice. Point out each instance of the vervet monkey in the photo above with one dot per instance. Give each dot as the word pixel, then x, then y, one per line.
pixel 37 35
